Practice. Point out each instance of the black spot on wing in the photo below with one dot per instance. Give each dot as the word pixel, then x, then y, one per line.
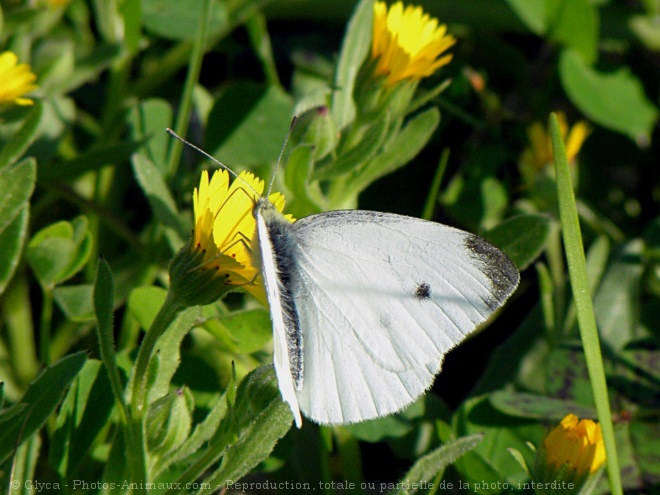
pixel 423 291
pixel 496 265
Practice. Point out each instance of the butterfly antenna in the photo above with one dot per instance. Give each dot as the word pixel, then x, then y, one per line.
pixel 214 160
pixel 279 158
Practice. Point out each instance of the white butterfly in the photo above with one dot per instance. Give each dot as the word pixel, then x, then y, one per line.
pixel 365 306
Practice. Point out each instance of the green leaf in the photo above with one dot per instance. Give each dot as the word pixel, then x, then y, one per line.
pixel 23 138
pixel 567 377
pixel 83 415
pixel 531 12
pixel 524 405
pixel 490 462
pixel 379 429
pixel 16 184
pixel 246 114
pixel 355 47
pixel 597 258
pixel 12 240
pixel 522 238
pixel 89 67
pixel 617 302
pixel 425 469
pixel 40 400
pixel 252 329
pixel 614 100
pixel 144 303
pixel 59 251
pixel 179 20
pixel 307 197
pixel 148 121
pixel 154 187
pixel 355 157
pixel 262 420
pixel 75 301
pixel 645 438
pixel 91 160
pixel 397 152
pixel 574 24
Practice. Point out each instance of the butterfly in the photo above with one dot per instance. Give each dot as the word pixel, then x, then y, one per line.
pixel 365 305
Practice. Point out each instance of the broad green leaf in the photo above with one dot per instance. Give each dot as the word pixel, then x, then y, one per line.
pixel 574 24
pixel 202 433
pixel 522 238
pixel 75 301
pixel 424 470
pixel 379 429
pixel 16 183
pixel 261 418
pixel 148 121
pixel 83 415
pixel 167 352
pixel 252 329
pixel 355 47
pixel 532 13
pixel 57 252
pixel 646 28
pixel 89 67
pixel 490 462
pixel 567 377
pixel 153 185
pixel 179 20
pixel 537 406
pixel 248 124
pixel 614 100
pixel 23 138
pixel 144 303
pixel 617 302
pixel 397 152
pixel 12 240
pixel 645 439
pixel 357 156
pixel 40 400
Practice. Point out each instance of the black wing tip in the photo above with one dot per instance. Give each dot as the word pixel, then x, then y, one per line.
pixel 501 271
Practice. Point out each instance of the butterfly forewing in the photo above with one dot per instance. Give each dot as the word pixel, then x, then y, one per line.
pixel 380 299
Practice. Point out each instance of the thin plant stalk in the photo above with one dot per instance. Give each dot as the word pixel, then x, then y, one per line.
pixel 577 270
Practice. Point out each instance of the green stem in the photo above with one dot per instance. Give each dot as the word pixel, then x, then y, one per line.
pixel 432 198
pixel 136 427
pixel 586 318
pixel 15 310
pixel 194 68
pixel 45 325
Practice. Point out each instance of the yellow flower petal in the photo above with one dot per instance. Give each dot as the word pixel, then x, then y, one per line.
pixel 576 443
pixel 539 153
pixel 225 226
pixel 15 80
pixel 408 43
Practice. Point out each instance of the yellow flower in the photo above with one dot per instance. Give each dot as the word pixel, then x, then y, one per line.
pixel 539 154
pixel 225 226
pixel 579 444
pixel 408 43
pixel 15 80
